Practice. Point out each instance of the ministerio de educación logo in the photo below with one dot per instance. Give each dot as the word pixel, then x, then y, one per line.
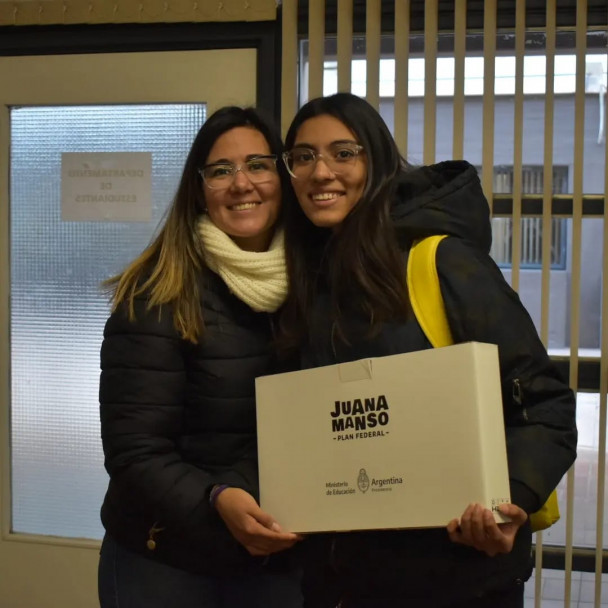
pixel 363 481
pixel 377 485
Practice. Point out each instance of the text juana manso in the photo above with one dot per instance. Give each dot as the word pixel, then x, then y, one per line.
pixel 359 414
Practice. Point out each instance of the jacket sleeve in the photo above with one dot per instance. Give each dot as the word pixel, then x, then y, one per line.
pixel 539 407
pixel 142 393
pixel 242 474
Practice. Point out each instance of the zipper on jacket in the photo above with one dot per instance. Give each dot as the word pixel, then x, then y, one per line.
pixel 518 396
pixel 333 565
pixel 332 553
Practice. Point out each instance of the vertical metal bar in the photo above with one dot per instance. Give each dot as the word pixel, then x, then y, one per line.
pixel 520 49
pixel 601 448
pixel 372 51
pixel 577 186
pixel 489 70
pixel 431 16
pixel 547 190
pixel 316 47
pixel 546 256
pixel 289 62
pixel 460 50
pixel 345 45
pixel 577 222
pixel 402 53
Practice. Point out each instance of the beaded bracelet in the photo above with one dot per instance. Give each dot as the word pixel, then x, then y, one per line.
pixel 215 492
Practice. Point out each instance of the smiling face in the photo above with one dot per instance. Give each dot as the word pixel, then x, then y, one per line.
pixel 327 197
pixel 245 211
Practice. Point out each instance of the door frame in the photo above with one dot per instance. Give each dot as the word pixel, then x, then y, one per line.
pixel 72 562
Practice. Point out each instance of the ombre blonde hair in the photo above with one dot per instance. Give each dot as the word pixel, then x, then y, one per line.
pixel 167 272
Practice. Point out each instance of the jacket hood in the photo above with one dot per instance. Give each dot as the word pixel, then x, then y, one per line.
pixel 445 198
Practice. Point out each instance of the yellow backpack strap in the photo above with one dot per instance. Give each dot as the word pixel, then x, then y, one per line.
pixel 427 304
pixel 425 292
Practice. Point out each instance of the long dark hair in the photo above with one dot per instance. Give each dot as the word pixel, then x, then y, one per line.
pixel 166 271
pixel 363 257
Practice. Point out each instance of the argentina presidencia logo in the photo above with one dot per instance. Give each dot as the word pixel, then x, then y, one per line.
pixel 363 481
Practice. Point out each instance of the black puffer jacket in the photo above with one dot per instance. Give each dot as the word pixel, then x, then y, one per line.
pixel 177 418
pixel 424 566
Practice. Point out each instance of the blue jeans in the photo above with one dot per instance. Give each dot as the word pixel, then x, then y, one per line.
pixel 129 580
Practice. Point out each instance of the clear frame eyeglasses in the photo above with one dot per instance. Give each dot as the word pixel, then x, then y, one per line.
pixel 258 170
pixel 340 158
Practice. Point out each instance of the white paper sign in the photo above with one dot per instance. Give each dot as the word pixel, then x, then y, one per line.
pixel 106 186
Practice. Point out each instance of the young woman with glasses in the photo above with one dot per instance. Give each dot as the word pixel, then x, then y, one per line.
pixel 190 330
pixel 358 208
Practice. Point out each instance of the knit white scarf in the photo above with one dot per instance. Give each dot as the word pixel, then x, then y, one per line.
pixel 257 278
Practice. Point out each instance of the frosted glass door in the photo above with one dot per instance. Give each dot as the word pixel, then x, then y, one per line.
pixel 57 307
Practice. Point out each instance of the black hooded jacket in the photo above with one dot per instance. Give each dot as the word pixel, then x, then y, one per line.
pixel 539 407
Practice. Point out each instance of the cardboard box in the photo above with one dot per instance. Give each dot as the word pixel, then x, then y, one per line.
pixel 403 441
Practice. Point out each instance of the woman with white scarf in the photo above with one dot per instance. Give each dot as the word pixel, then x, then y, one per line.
pixel 191 328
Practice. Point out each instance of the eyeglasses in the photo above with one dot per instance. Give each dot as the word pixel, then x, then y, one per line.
pixel 258 170
pixel 301 161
